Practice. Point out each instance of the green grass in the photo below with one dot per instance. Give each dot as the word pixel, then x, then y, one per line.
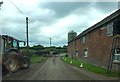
pixel 90 67
pixel 37 59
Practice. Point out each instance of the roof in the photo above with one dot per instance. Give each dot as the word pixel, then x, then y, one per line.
pixel 72 31
pixel 7 36
pixel 97 25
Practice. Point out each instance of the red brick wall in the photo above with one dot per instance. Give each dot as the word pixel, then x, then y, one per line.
pixel 70 48
pixel 99 47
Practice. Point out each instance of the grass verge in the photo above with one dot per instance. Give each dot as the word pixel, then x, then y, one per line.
pixel 37 59
pixel 90 67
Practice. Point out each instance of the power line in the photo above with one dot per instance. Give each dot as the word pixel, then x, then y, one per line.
pixel 17 8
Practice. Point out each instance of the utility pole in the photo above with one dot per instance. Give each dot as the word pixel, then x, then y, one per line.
pixel 27 34
pixel 1 4
pixel 50 47
pixel 1 42
pixel 50 42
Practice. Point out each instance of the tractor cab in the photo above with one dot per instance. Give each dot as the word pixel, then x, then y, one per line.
pixel 10 43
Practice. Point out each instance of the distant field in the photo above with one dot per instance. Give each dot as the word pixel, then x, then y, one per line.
pixel 37 59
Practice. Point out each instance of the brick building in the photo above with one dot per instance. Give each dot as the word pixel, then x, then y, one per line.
pixel 94 44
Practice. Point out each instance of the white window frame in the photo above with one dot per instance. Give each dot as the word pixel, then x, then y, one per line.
pixel 116 57
pixel 84 39
pixel 110 29
pixel 86 52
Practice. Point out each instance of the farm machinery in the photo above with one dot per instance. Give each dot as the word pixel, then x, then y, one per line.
pixel 12 58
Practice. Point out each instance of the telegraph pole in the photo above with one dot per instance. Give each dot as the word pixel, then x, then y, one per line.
pixel 50 47
pixel 1 4
pixel 27 34
pixel 1 46
pixel 50 42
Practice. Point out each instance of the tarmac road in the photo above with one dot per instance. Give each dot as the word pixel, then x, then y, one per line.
pixel 58 70
pixel 55 69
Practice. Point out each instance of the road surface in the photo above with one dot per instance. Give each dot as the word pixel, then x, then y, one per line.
pixel 54 69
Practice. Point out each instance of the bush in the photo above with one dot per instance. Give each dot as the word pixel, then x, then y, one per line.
pixel 66 55
pixel 30 52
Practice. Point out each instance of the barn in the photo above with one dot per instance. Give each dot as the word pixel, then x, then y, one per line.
pixel 94 44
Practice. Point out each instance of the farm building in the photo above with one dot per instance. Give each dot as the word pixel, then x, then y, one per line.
pixel 94 44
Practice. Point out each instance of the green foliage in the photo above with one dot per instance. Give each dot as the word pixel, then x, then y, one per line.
pixel 37 47
pixel 41 48
pixel 38 59
pixel 30 52
pixel 90 67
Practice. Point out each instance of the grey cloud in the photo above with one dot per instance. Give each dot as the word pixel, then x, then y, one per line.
pixel 42 20
pixel 64 8
pixel 61 42
pixel 106 6
pixel 39 40
pixel 119 5
pixel 15 26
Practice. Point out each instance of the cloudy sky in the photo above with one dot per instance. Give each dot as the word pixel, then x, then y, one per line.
pixel 51 18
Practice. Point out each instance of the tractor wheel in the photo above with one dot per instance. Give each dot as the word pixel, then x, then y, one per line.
pixel 26 62
pixel 11 61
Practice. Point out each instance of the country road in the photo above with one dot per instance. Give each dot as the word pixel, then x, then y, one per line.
pixel 54 70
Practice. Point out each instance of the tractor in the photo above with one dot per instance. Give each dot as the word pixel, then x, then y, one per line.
pixel 12 57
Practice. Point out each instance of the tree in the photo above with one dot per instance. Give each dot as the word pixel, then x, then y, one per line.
pixel 37 47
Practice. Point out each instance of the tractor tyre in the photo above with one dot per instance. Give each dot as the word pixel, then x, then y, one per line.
pixel 11 61
pixel 26 62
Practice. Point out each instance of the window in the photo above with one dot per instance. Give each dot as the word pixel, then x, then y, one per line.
pixel 83 39
pixel 8 43
pixel 77 52
pixel 85 52
pixel 117 56
pixel 110 29
pixel 74 43
pixel 15 44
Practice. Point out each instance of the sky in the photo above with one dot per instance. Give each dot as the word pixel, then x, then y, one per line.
pixel 51 19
